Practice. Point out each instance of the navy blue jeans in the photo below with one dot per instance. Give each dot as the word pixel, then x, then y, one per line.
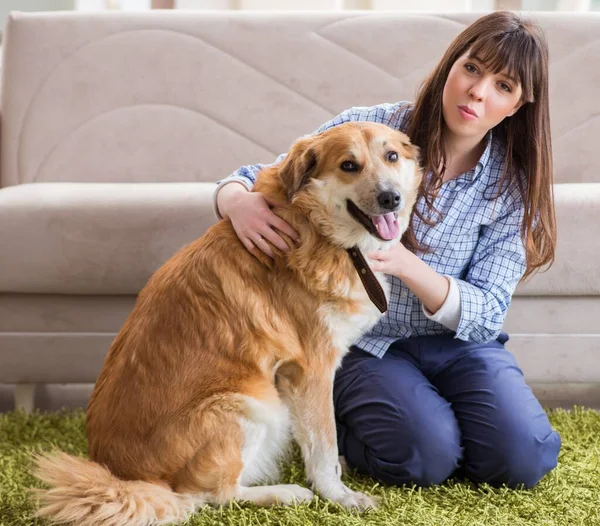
pixel 436 406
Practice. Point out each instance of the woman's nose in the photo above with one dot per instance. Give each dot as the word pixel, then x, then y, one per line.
pixel 476 92
pixel 478 89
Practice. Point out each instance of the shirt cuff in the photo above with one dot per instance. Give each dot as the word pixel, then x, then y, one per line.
pixel 449 313
pixel 240 180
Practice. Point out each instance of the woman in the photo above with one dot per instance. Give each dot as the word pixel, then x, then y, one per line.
pixel 431 391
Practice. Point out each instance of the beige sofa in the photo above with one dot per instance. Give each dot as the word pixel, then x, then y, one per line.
pixel 115 127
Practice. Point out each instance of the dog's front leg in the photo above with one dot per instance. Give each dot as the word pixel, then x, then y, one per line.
pixel 314 430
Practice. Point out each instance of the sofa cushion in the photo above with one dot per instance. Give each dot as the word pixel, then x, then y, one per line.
pixel 108 238
pixel 576 270
pixel 95 238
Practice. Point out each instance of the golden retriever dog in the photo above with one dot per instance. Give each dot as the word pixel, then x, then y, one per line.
pixel 227 354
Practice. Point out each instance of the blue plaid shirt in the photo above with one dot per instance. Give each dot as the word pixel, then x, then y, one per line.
pixel 477 242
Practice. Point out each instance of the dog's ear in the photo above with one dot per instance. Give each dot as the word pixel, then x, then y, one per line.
pixel 298 166
pixel 412 151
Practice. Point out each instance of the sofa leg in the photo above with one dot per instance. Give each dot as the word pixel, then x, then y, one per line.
pixel 24 397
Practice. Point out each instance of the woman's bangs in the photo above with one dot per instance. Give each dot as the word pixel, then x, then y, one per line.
pixel 514 53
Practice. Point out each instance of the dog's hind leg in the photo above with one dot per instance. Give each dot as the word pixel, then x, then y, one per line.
pixel 242 449
pixel 214 469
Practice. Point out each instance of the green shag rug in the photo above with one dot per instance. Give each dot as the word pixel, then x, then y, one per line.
pixel 569 495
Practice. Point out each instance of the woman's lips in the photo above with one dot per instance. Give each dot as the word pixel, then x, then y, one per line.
pixel 467 113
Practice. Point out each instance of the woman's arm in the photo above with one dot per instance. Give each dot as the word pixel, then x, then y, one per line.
pixel 424 282
pixel 485 293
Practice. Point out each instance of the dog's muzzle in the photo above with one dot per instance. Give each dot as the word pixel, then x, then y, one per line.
pixel 383 226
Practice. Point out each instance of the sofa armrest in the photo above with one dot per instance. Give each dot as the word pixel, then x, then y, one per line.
pixel 95 238
pixel 576 271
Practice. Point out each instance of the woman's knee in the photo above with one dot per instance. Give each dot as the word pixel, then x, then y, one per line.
pixel 422 465
pixel 521 460
pixel 398 431
pixel 423 454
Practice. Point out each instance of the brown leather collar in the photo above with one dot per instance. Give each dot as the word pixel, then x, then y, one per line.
pixel 369 281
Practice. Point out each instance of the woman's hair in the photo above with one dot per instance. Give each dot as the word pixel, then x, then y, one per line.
pixel 500 40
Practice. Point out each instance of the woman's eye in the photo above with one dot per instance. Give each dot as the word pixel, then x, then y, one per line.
pixel 349 166
pixel 505 87
pixel 470 68
pixel 392 157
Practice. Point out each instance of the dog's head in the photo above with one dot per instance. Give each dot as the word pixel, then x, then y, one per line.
pixel 357 182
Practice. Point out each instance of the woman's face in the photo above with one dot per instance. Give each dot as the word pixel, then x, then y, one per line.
pixel 475 99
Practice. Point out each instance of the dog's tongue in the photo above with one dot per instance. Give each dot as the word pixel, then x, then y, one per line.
pixel 386 225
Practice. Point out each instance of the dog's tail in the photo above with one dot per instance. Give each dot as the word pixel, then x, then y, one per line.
pixel 86 493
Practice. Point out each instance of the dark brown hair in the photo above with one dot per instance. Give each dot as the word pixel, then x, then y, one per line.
pixel 500 40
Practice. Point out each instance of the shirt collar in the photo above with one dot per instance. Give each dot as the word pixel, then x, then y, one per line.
pixel 484 159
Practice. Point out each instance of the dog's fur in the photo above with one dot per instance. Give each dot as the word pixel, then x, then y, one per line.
pixel 226 351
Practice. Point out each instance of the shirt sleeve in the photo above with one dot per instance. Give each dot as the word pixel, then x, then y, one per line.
pixel 448 314
pixel 246 175
pixel 497 266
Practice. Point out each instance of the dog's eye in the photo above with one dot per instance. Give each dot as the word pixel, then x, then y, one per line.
pixel 349 166
pixel 392 157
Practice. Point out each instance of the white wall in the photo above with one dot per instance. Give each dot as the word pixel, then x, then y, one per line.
pixel 420 5
pixel 405 5
pixel 393 5
pixel 205 4
pixel 311 5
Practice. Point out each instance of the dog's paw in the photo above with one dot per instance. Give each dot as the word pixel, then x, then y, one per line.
pixel 358 501
pixel 352 500
pixel 292 493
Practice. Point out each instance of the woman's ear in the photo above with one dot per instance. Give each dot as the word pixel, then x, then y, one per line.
pixel 298 166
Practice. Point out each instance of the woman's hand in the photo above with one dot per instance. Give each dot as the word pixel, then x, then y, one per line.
pixel 394 262
pixel 253 220
pixel 424 282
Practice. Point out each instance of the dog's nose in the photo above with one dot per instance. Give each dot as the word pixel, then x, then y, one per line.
pixel 389 200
